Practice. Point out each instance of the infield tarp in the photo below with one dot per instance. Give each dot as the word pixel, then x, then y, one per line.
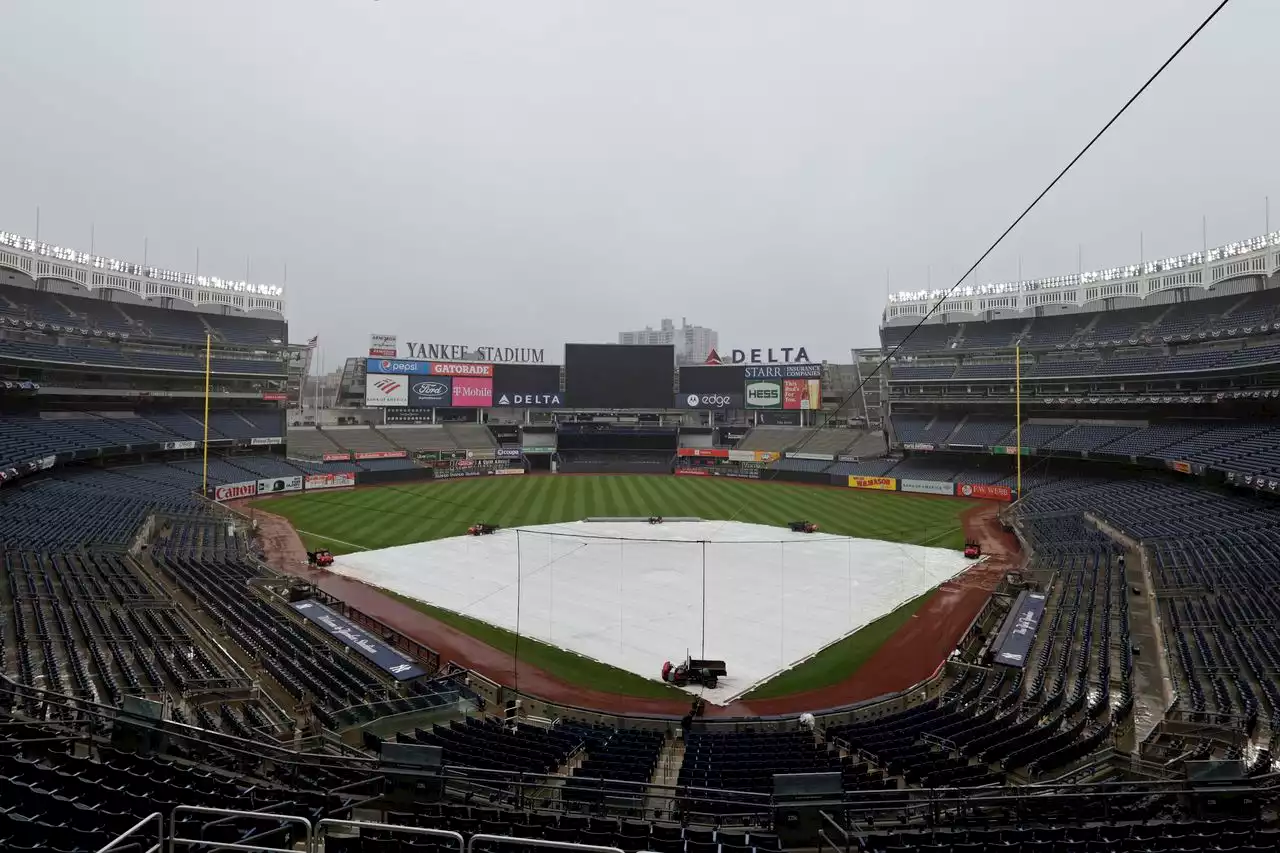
pixel 351 635
pixel 1013 643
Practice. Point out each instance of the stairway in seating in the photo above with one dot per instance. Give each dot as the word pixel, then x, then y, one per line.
pixel 389 439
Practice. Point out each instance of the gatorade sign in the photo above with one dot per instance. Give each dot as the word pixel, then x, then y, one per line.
pixel 763 395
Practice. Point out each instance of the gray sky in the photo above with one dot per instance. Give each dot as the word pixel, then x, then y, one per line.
pixel 528 172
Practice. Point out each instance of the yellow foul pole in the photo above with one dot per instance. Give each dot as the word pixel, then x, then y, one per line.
pixel 204 465
pixel 1017 398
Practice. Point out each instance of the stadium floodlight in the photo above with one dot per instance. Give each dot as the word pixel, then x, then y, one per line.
pixel 1112 274
pixel 73 256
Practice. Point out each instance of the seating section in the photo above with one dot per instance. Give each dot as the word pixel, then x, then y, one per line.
pixel 24 438
pixel 746 762
pixel 1211 552
pixel 344 690
pixel 630 834
pixel 54 797
pixel 72 356
pixel 486 744
pixel 137 321
pixel 1219 317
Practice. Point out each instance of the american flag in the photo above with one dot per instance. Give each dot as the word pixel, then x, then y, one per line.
pixel 313 341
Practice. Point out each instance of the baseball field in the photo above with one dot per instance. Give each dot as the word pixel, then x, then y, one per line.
pixel 388 516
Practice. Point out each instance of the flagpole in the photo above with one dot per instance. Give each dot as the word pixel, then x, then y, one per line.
pixel 1017 372
pixel 204 465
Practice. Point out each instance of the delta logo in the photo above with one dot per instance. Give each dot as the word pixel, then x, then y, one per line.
pixel 387 386
pixel 713 357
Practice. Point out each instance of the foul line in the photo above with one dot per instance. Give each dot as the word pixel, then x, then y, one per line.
pixel 331 539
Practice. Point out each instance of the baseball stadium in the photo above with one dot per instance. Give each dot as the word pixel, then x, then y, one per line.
pixel 1002 571
pixel 397 556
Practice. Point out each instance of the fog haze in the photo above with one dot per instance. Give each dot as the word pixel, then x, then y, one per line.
pixel 530 172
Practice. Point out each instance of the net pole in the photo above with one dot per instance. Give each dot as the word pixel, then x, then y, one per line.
pixel 782 606
pixel 704 599
pixel 622 597
pixel 848 549
pixel 1017 397
pixel 515 650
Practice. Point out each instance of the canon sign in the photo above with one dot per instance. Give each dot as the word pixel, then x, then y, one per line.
pixel 766 355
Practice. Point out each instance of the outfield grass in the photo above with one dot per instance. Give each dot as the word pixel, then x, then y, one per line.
pixel 400 515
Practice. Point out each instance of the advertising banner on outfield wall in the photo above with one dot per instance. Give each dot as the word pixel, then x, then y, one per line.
pixel 232 491
pixel 470 392
pixel 387 389
pixel 884 484
pixel 692 472
pixel 179 445
pixel 382 454
pixel 984 491
pixel 917 445
pixel 335 457
pixel 815 457
pixel 357 639
pixel 276 485
pixel 927 487
pixel 763 395
pixel 705 452
pixel 434 392
pixel 265 442
pixel 329 481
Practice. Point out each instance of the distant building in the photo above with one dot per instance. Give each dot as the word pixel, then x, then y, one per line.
pixel 692 343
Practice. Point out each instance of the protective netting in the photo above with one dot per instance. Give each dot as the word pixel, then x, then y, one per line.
pixel 634 595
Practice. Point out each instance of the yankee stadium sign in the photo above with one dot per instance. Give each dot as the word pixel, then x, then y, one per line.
pixel 458 352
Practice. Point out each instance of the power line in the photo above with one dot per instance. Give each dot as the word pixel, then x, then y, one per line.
pixel 1027 210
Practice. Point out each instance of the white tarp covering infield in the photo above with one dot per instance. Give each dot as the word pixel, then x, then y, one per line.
pixel 632 594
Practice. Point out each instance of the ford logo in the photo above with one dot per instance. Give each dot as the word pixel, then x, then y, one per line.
pixel 430 389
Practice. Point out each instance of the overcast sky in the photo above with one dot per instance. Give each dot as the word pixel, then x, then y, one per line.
pixel 530 172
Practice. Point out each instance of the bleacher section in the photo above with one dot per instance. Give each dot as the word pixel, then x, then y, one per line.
pixel 1237 315
pixel 28 437
pixel 808 440
pixel 137 321
pixel 71 356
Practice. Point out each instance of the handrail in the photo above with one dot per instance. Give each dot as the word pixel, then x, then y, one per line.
pixel 538 843
pixel 323 825
pixel 227 845
pixel 129 833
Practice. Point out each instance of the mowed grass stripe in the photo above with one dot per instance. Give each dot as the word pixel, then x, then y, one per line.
pixel 402 514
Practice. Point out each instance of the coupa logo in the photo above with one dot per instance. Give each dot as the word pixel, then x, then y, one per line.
pixel 430 389
pixel 763 392
pixel 387 386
